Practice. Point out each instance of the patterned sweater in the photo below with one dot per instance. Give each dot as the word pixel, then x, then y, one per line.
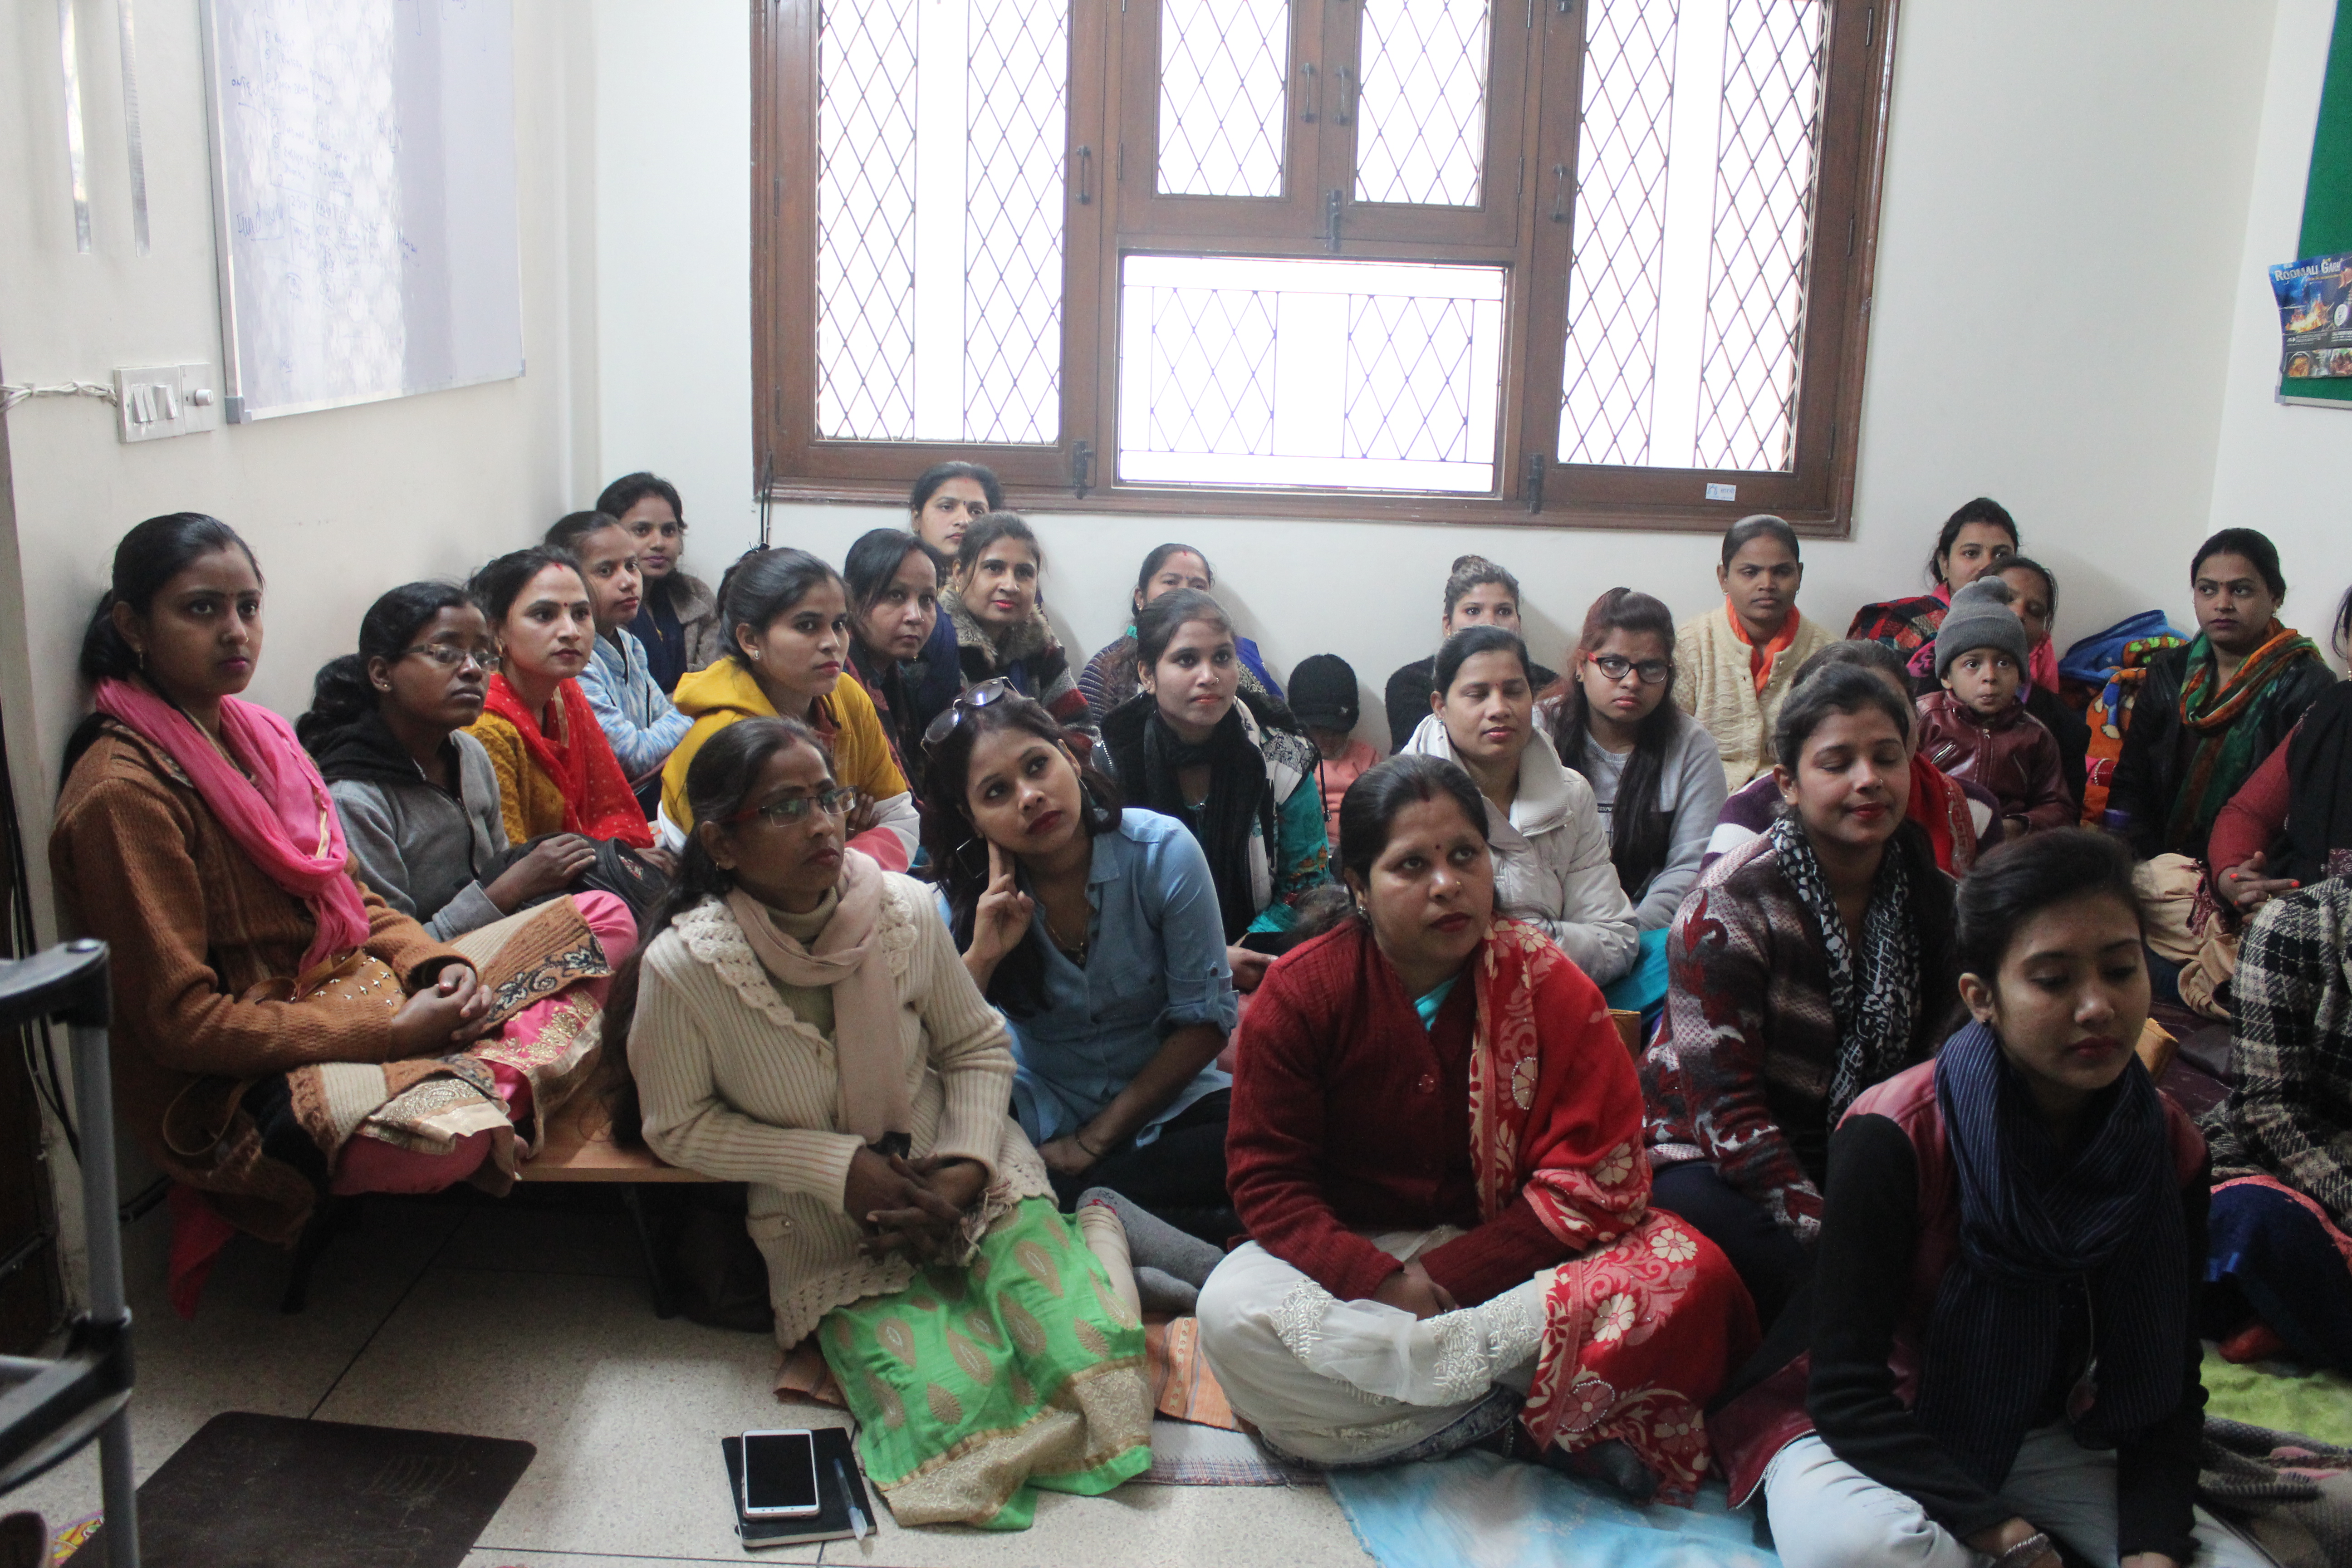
pixel 2289 1116
pixel 734 1085
pixel 1740 1072
pixel 1712 684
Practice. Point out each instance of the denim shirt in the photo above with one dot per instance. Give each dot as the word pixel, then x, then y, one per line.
pixel 642 724
pixel 1155 963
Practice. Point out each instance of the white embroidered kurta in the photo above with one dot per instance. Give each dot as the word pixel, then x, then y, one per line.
pixel 735 1085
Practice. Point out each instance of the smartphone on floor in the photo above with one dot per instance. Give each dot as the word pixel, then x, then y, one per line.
pixel 779 1474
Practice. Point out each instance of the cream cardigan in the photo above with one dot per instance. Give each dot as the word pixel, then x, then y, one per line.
pixel 1713 686
pixel 735 1085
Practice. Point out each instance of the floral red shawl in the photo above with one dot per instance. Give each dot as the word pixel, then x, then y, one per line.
pixel 597 802
pixel 1941 806
pixel 1643 1325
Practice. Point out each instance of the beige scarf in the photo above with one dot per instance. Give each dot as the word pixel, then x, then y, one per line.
pixel 847 958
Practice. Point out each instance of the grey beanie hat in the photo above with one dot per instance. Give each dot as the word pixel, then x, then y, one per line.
pixel 1981 618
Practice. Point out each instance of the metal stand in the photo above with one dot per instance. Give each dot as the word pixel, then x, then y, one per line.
pixel 49 1409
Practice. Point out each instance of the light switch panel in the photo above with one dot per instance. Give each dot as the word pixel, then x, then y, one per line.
pixel 157 401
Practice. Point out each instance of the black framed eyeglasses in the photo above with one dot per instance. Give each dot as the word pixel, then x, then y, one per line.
pixel 834 800
pixel 993 691
pixel 449 658
pixel 1652 671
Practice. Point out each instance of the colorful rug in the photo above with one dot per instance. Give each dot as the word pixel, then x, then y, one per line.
pixel 1483 1509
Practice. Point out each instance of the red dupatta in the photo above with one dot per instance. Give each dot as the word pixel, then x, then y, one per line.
pixel 1642 1328
pixel 1940 805
pixel 597 801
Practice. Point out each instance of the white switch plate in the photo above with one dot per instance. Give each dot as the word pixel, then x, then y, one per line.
pixel 156 400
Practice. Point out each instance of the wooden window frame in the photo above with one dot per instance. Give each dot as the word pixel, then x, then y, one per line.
pixel 1107 217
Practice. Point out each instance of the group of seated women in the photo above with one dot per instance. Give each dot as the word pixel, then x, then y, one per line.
pixel 1194 1004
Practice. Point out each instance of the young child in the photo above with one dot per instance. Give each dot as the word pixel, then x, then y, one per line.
pixel 1976 728
pixel 1323 701
pixel 637 717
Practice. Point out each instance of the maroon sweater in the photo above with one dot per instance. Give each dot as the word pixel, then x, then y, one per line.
pixel 1348 1115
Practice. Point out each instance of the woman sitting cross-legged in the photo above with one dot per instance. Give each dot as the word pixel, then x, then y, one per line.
pixel 786 614
pixel 418 796
pixel 194 837
pixel 2002 1331
pixel 799 1021
pixel 1551 854
pixel 1656 772
pixel 1436 1149
pixel 1808 964
pixel 994 602
pixel 1096 929
pixel 1229 765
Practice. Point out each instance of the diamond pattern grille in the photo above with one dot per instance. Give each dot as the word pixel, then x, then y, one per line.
pixel 1016 114
pixel 1616 276
pixel 1212 383
pixel 1409 383
pixel 866 221
pixel 1763 234
pixel 1421 134
pixel 1224 72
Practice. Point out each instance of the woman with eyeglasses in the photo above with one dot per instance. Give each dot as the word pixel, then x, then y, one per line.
pixel 417 795
pixel 1551 855
pixel 1656 773
pixel 280 1032
pixel 789 635
pixel 1095 928
pixel 1231 766
pixel 799 1022
pixel 678 622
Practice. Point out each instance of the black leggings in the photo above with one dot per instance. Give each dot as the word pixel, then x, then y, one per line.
pixel 1771 1263
pixel 1179 1175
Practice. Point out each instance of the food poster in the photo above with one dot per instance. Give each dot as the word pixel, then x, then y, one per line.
pixel 2315 300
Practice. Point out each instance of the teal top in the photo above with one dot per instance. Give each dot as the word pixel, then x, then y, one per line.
pixel 1430 1001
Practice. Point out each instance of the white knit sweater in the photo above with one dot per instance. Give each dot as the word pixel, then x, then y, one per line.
pixel 735 1085
pixel 1713 686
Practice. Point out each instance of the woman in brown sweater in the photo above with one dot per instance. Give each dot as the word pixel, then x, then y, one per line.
pixel 194 837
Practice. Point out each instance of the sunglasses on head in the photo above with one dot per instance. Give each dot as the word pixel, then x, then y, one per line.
pixel 993 691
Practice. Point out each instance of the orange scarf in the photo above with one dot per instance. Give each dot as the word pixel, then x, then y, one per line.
pixel 1761 660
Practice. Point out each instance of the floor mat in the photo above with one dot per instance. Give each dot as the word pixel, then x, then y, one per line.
pixel 270 1491
pixel 1185 1454
pixel 2282 1395
pixel 1498 1513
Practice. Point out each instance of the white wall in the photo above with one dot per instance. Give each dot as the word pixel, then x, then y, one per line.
pixel 2285 470
pixel 2062 245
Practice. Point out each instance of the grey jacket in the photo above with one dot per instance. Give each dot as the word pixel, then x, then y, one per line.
pixel 424 851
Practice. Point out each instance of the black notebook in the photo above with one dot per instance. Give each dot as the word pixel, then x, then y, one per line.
pixel 836 1461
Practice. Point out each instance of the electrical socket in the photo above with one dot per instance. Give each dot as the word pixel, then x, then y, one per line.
pixel 156 400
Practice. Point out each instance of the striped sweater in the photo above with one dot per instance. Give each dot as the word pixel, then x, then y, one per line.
pixel 737 1086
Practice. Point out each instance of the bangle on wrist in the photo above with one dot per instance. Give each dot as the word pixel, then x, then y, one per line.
pixel 2025 1552
pixel 1088 1150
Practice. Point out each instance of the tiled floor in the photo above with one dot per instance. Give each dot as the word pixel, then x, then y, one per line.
pixel 527 1318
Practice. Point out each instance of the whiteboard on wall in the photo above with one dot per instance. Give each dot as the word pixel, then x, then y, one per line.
pixel 363 198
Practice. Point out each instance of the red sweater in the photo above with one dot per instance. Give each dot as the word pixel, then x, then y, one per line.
pixel 1349 1115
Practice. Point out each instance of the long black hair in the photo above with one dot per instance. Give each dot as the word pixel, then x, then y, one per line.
pixel 1640 833
pixel 2024 877
pixel 630 488
pixel 148 557
pixel 1984 508
pixel 928 482
pixel 341 693
pixel 958 855
pixel 874 561
pixel 763 585
pixel 2251 543
pixel 717 782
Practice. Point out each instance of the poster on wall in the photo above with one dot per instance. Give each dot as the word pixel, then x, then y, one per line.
pixel 2315 301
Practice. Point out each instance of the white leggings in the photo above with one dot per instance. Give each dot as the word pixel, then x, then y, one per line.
pixel 1827 1514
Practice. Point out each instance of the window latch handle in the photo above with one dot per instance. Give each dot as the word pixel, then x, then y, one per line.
pixel 1331 217
pixel 1536 466
pixel 1306 74
pixel 1082 466
pixel 1085 175
pixel 1560 193
pixel 1347 96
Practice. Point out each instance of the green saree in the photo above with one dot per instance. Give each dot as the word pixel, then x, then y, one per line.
pixel 976 1387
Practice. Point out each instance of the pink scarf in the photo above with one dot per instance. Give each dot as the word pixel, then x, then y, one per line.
pixel 866 1051
pixel 282 818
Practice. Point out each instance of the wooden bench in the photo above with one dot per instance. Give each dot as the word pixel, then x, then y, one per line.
pixel 580 1148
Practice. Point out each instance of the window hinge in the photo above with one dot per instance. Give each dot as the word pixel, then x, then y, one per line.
pixel 1331 217
pixel 1306 74
pixel 1082 466
pixel 1560 193
pixel 1119 172
pixel 1522 190
pixel 1536 466
pixel 1085 176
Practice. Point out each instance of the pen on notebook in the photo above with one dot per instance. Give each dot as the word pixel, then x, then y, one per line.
pixel 857 1520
